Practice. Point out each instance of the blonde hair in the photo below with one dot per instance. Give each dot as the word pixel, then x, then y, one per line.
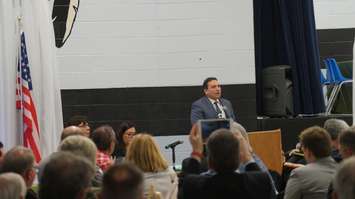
pixel 145 153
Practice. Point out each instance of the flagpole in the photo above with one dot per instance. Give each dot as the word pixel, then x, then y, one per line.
pixel 19 72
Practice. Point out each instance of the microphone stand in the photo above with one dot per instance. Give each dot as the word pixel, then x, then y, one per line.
pixel 173 155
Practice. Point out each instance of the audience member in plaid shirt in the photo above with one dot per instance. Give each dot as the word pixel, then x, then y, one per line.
pixel 104 138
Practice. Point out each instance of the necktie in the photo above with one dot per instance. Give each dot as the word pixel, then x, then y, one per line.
pixel 218 110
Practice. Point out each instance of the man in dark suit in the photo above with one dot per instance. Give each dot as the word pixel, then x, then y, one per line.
pixel 225 151
pixel 211 105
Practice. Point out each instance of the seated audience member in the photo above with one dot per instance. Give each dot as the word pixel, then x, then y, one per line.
pixel 83 147
pixel 12 186
pixel 146 155
pixel 344 180
pixel 334 127
pixel 2 152
pixel 312 180
pixel 122 181
pixel 71 130
pixel 347 143
pixel 20 160
pixel 124 136
pixel 226 150
pixel 81 122
pixel 237 128
pixel 65 176
pixel 104 138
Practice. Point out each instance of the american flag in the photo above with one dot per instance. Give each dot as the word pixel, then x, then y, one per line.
pixel 25 104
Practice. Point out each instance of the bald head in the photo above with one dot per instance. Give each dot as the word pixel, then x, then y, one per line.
pixel 71 130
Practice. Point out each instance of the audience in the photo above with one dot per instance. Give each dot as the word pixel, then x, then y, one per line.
pixel 81 122
pixel 71 130
pixel 226 151
pixel 83 147
pixel 146 155
pixel 124 136
pixel 334 127
pixel 104 138
pixel 122 181
pixel 345 180
pixel 312 180
pixel 347 143
pixel 12 186
pixel 65 176
pixel 20 160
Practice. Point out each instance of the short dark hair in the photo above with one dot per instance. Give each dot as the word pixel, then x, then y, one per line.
pixel 208 79
pixel 65 176
pixel 122 181
pixel 76 120
pixel 317 140
pixel 347 138
pixel 223 151
pixel 103 136
pixel 18 160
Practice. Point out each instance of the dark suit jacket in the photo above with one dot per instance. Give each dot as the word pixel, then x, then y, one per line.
pixel 250 185
pixel 203 109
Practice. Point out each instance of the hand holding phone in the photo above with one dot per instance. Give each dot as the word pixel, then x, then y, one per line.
pixel 207 126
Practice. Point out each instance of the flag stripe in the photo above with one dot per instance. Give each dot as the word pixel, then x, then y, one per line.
pixel 25 103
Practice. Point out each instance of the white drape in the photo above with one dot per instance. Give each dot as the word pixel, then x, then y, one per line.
pixel 36 23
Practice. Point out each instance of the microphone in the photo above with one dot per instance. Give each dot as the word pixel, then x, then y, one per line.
pixel 174 144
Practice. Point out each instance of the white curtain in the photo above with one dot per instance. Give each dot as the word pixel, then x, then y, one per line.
pixel 38 28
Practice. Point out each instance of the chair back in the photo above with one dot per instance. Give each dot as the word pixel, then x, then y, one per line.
pixel 267 145
pixel 335 71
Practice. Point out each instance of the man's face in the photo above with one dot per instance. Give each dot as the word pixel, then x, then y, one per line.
pixel 345 152
pixel 86 128
pixel 213 90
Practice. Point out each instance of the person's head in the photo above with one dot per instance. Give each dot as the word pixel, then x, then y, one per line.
pixel 81 122
pixel 344 180
pixel 104 138
pixel 65 176
pixel 71 130
pixel 223 151
pixel 2 152
pixel 125 133
pixel 347 143
pixel 211 88
pixel 236 127
pixel 145 153
pixel 122 181
pixel 12 186
pixel 81 146
pixel 315 142
pixel 20 160
pixel 334 127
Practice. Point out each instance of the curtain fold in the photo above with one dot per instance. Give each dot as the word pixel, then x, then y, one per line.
pixel 285 33
pixel 38 28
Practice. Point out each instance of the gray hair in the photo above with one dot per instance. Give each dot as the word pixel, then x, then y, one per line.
pixel 236 127
pixel 12 186
pixel 345 179
pixel 65 176
pixel 18 159
pixel 80 146
pixel 335 127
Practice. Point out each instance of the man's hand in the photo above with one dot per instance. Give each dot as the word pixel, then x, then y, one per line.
pixel 196 142
pixel 245 154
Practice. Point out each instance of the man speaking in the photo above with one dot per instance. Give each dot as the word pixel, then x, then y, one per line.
pixel 211 106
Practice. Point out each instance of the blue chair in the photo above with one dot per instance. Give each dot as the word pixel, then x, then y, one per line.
pixel 335 78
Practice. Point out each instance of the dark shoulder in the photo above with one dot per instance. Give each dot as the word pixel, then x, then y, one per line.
pixel 200 101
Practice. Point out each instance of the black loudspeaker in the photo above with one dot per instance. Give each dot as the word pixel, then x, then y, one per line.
pixel 277 91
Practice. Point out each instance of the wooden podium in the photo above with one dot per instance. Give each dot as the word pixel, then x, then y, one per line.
pixel 267 145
